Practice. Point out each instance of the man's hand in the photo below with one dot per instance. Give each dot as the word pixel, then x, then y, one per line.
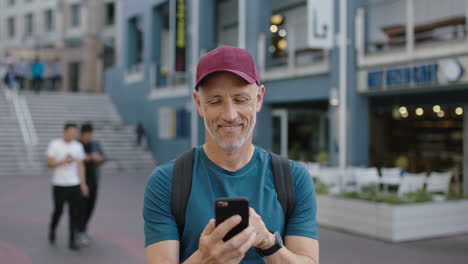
pixel 68 160
pixel 96 157
pixel 84 189
pixel 212 248
pixel 88 158
pixel 265 239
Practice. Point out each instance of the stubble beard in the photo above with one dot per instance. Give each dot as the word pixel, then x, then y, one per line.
pixel 230 147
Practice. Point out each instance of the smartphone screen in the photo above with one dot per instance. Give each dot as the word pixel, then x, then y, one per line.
pixel 227 207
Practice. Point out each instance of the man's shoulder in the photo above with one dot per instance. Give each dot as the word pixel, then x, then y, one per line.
pixel 162 174
pixel 77 144
pixel 55 142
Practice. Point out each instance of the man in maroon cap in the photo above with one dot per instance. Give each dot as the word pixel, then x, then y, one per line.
pixel 228 94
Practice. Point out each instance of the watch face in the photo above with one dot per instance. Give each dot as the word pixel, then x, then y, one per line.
pixel 279 239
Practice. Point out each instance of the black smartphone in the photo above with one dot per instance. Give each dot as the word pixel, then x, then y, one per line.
pixel 227 207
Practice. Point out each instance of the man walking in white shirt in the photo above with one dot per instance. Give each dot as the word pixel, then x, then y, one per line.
pixel 65 155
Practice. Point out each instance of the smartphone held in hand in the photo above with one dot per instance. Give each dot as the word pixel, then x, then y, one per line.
pixel 227 207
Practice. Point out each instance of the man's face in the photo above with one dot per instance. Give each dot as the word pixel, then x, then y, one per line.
pixel 229 107
pixel 70 133
pixel 86 137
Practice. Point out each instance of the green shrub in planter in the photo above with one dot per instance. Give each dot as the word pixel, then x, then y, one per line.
pixel 419 197
pixel 373 194
pixel 320 187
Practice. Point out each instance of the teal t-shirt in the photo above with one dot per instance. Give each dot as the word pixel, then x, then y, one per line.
pixel 254 180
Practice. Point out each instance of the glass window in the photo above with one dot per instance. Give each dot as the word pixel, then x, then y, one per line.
pixel 75 17
pixel 109 52
pixel 173 123
pixel 11 27
pixel 227 13
pixel 49 20
pixel 29 24
pixel 135 41
pixel 110 14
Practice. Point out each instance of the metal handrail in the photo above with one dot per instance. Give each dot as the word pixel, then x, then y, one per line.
pixel 26 125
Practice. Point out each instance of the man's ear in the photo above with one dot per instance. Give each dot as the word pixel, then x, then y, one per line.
pixel 260 96
pixel 196 98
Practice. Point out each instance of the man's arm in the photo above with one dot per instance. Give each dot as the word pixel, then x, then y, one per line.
pixel 164 252
pixel 51 163
pixel 81 173
pixel 98 154
pixel 297 249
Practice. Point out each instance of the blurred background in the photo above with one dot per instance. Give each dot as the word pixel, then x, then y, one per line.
pixel 371 96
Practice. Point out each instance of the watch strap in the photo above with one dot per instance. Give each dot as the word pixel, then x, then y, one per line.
pixel 272 250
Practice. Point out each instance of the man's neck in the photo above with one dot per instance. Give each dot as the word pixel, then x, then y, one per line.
pixel 229 160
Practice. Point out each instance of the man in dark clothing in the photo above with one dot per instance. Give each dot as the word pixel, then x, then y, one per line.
pixel 140 133
pixel 94 158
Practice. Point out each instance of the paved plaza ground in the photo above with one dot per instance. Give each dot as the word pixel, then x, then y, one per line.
pixel 117 230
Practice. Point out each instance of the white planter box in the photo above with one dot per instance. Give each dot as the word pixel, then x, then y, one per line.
pixel 393 222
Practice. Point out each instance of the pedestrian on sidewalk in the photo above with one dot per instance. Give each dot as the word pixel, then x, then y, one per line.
pixel 56 75
pixel 9 79
pixel 65 155
pixel 21 72
pixel 37 70
pixel 140 133
pixel 94 158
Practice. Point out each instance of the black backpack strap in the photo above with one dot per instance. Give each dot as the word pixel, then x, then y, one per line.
pixel 284 185
pixel 181 187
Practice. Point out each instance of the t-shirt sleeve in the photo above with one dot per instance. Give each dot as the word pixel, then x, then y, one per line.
pixel 80 155
pixel 159 223
pixel 303 221
pixel 50 152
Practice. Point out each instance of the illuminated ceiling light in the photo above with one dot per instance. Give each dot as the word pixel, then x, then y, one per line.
pixel 441 113
pixel 459 111
pixel 404 115
pixel 277 19
pixel 282 33
pixel 403 110
pixel 436 108
pixel 282 44
pixel 274 28
pixel 419 111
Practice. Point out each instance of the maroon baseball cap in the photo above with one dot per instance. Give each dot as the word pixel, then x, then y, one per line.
pixel 228 59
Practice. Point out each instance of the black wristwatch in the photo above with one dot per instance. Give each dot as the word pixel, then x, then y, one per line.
pixel 277 246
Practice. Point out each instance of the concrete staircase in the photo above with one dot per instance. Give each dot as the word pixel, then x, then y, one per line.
pixel 13 153
pixel 50 111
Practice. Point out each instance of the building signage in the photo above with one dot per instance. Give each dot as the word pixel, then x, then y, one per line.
pixel 180 36
pixel 403 77
pixel 320 29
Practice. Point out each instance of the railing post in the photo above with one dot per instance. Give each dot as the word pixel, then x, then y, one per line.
pixel 291 48
pixel 261 53
pixel 466 24
pixel 409 27
pixel 359 28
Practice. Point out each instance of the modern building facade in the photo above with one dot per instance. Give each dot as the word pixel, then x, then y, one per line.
pixel 400 68
pixel 79 34
pixel 412 61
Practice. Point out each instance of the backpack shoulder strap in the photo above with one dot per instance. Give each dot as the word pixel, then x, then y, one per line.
pixel 284 184
pixel 181 187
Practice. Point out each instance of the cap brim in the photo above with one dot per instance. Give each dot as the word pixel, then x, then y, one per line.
pixel 249 79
